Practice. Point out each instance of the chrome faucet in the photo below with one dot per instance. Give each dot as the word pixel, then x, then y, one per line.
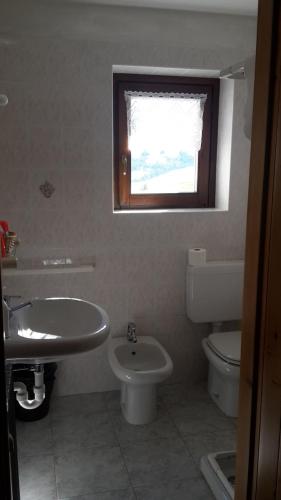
pixel 131 332
pixel 7 299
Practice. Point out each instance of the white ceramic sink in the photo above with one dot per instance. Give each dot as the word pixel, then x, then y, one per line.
pixel 54 328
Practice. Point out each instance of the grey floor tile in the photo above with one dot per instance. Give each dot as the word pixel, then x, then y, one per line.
pixel 191 408
pixel 127 494
pixel 34 438
pixel 152 462
pixel 172 393
pixel 74 432
pixel 83 430
pixel 176 393
pixel 90 471
pixel 198 392
pixel 37 478
pixel 210 442
pixel 198 417
pixel 162 427
pixel 112 400
pixel 78 404
pixel 192 489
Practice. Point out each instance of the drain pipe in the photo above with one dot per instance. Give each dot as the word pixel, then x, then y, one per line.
pixel 38 389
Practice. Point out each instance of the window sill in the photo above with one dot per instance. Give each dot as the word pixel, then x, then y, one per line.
pixel 171 211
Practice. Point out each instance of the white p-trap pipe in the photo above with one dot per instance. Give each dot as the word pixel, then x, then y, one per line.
pixel 38 389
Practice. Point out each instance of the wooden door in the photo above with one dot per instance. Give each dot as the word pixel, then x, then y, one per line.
pixel 258 454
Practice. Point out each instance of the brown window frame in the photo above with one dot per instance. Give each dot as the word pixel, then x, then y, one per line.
pixel 205 196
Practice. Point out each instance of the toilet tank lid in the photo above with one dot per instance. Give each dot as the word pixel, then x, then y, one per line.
pixel 216 267
pixel 227 344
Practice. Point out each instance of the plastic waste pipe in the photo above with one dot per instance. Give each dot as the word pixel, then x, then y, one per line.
pixel 38 389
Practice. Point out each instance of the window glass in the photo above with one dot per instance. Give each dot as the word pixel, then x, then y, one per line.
pixel 164 137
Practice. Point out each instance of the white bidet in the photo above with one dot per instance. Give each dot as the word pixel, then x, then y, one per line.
pixel 139 366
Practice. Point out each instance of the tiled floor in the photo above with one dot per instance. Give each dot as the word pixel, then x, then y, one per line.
pixel 85 450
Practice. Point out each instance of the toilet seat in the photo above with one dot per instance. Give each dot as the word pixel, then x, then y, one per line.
pixel 226 345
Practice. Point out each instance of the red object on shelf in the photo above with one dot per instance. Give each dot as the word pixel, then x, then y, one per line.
pixel 5 228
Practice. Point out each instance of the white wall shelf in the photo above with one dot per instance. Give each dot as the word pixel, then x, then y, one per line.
pixel 62 265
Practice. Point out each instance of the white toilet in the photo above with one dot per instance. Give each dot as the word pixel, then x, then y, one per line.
pixel 139 366
pixel 214 295
pixel 223 353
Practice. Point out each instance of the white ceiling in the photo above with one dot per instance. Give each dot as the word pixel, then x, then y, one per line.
pixel 242 7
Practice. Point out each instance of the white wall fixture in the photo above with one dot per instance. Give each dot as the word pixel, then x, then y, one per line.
pixel 139 366
pixel 214 294
pixel 214 291
pixel 223 353
pixel 54 328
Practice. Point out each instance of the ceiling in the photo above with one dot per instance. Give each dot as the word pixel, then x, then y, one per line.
pixel 240 7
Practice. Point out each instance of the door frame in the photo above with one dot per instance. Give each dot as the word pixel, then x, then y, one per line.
pixel 257 469
pixel 5 472
pixel 257 463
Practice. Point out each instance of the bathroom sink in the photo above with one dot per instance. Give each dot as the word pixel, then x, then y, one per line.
pixel 54 328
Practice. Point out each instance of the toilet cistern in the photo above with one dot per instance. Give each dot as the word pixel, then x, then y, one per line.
pixel 214 295
pixel 131 332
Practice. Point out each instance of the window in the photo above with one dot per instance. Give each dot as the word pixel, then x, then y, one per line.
pixel 165 135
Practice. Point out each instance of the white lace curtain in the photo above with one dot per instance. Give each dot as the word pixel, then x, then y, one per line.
pixel 165 121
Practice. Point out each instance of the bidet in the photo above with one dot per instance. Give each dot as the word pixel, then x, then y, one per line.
pixel 139 366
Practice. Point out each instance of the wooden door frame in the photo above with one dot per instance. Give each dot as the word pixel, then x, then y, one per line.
pixel 5 473
pixel 257 360
pixel 255 478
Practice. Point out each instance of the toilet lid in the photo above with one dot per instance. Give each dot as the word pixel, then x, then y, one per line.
pixel 227 345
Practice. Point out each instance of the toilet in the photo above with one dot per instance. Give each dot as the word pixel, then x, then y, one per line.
pixel 223 353
pixel 214 295
pixel 139 366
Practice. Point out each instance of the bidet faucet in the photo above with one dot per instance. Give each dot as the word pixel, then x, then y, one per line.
pixel 131 332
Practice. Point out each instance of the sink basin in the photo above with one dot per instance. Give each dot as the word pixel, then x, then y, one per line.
pixel 54 328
